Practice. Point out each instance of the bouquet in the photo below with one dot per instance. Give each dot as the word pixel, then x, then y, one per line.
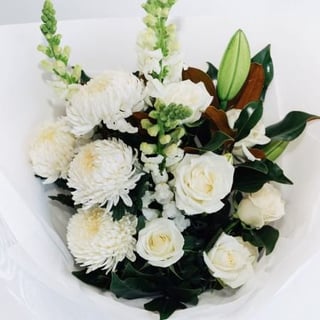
pixel 169 171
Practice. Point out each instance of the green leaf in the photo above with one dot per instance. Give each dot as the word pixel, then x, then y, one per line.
pixel 265 237
pixel 65 199
pixel 84 78
pixel 97 278
pixel 290 127
pixel 131 272
pixel 249 179
pixel 165 306
pixel 212 71
pixel 274 149
pixel 255 165
pixel 192 243
pixel 248 118
pixel 119 210
pixel 132 288
pixel 186 295
pixel 234 67
pixel 219 139
pixel 263 57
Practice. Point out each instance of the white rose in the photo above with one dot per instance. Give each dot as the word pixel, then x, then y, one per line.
pixel 257 209
pixel 231 260
pixel 160 243
pixel 189 94
pixel 201 181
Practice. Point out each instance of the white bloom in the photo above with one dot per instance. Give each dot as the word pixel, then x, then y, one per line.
pixel 201 181
pixel 52 151
pixel 160 243
pixel 261 207
pixel 163 193
pixel 189 94
pixel 103 172
pixel 257 135
pixel 170 210
pixel 149 61
pixel 97 241
pixel 110 98
pixel 174 64
pixel 231 260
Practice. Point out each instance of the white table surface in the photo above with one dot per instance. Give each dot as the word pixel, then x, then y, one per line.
pixel 299 299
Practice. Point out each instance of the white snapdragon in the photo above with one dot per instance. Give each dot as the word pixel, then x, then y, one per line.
pixel 231 260
pixel 160 243
pixel 258 208
pixel 201 182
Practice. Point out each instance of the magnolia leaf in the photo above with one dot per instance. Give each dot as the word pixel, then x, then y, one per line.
pixel 290 127
pixel 212 71
pixel 196 75
pixel 219 120
pixel 65 199
pixel 252 88
pixel 248 118
pixel 249 178
pixel 258 153
pixel 266 237
pixel 97 278
pixel 219 139
pixel 132 288
pixel 274 149
pixel 263 57
pixel 165 306
pixel 234 67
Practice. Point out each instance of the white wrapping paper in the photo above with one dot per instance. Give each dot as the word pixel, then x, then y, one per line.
pixel 34 261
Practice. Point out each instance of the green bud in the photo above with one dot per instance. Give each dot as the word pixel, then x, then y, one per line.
pixel 153 130
pixel 42 48
pixel 178 133
pixel 76 72
pixel 229 157
pixel 146 124
pixel 234 67
pixel 148 148
pixel 150 20
pixel 165 139
pixel 171 149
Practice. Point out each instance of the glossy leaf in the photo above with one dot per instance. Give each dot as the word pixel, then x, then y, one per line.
pixel 290 127
pixel 219 120
pixel 97 278
pixel 234 67
pixel 252 88
pixel 266 237
pixel 248 118
pixel 219 139
pixel 212 71
pixel 263 57
pixel 274 149
pixel 251 179
pixel 132 288
pixel 196 75
pixel 165 306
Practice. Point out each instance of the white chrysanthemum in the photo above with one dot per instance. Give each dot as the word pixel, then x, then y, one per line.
pixel 52 151
pixel 103 172
pixel 110 98
pixel 97 241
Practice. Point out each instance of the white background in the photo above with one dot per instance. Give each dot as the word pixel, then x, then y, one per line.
pixel 299 299
pixel 22 11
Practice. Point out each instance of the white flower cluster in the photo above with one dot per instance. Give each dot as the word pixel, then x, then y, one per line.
pixel 52 151
pixel 97 241
pixel 110 98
